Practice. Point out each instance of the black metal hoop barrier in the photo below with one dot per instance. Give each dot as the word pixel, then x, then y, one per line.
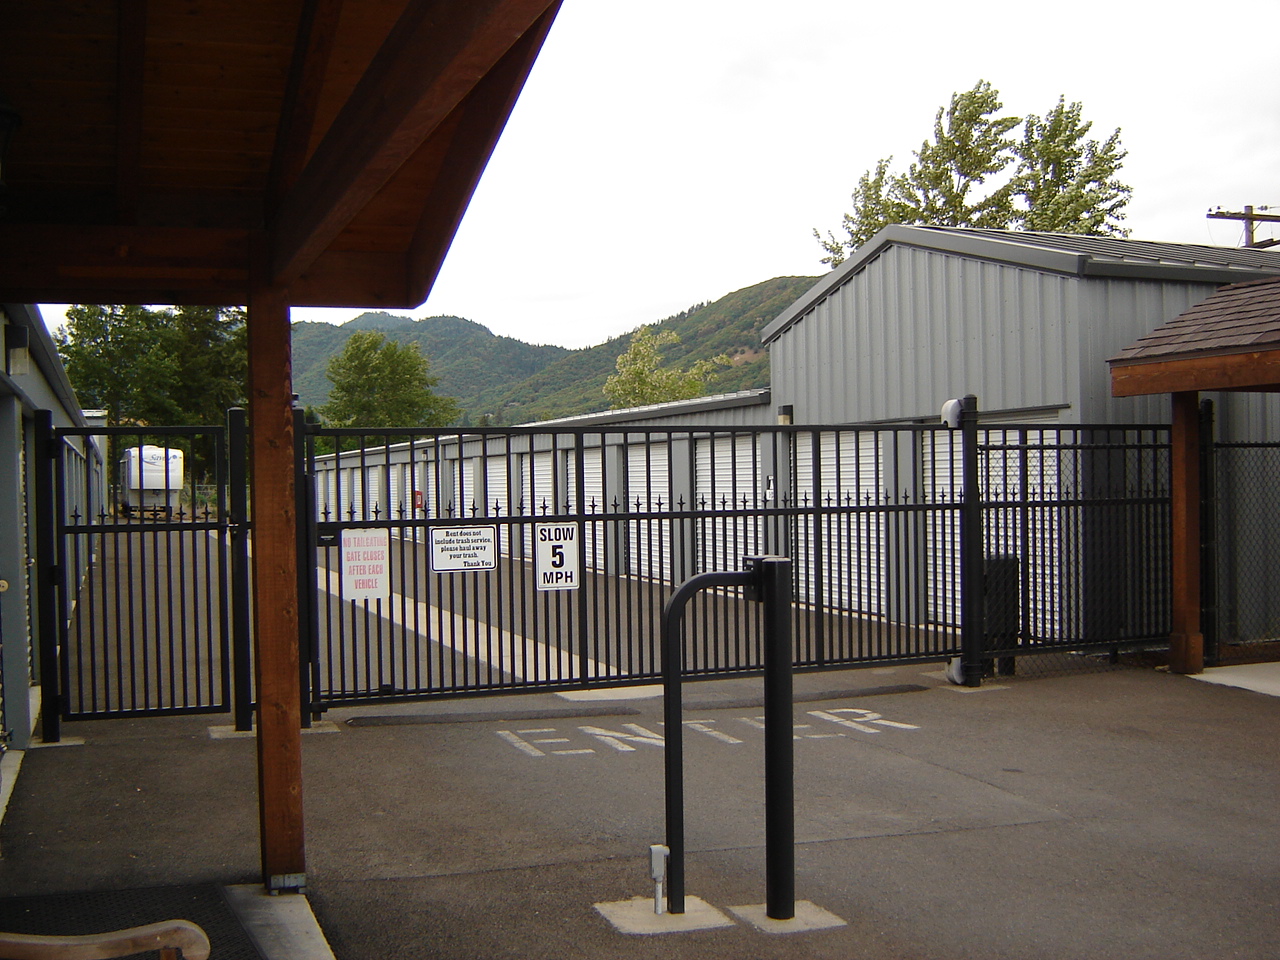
pixel 767 580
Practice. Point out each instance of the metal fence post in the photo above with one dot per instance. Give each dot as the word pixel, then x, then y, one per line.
pixel 238 517
pixel 305 504
pixel 972 574
pixel 46 576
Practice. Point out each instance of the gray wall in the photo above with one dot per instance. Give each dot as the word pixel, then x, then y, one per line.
pixel 1113 314
pixel 917 326
pixel 44 387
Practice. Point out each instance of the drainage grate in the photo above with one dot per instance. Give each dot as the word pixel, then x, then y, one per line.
pixel 80 914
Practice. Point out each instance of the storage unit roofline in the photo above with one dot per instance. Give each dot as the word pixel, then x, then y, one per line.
pixel 1066 254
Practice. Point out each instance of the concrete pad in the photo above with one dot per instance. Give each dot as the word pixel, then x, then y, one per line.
pixel 636 916
pixel 282 927
pixel 985 688
pixel 1258 677
pixel 646 692
pixel 809 916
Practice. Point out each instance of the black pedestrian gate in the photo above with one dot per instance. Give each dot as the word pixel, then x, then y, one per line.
pixel 135 540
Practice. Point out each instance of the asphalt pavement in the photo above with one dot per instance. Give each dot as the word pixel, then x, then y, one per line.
pixel 1089 813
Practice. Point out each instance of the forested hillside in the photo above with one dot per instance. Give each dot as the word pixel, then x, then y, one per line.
pixel 516 382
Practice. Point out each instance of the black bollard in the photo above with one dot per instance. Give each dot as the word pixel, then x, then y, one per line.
pixel 774 586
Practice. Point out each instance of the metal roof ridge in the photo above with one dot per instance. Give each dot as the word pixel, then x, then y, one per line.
pixel 1144 259
pixel 738 398
pixel 944 239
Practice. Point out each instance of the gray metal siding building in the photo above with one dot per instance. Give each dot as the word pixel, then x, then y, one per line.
pixel 1025 321
pixel 42 385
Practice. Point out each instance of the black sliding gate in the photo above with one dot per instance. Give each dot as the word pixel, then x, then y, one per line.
pixel 136 608
pixel 460 562
pixel 446 563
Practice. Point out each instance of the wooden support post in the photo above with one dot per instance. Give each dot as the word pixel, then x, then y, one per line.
pixel 275 588
pixel 1186 643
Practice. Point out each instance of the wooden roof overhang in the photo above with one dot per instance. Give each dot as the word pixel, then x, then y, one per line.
pixel 261 152
pixel 169 148
pixel 1228 342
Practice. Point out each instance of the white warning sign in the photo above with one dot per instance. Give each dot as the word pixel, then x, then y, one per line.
pixel 455 549
pixel 556 556
pixel 366 564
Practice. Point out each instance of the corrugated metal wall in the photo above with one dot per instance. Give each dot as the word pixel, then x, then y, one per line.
pixel 1113 314
pixel 916 327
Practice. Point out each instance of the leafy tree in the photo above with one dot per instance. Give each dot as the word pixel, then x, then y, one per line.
pixel 1060 181
pixel 640 380
pixel 1068 183
pixel 172 366
pixel 381 383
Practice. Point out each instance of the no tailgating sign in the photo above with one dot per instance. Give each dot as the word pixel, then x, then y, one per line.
pixel 556 556
pixel 366 567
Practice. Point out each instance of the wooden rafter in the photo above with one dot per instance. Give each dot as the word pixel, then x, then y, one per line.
pixel 131 46
pixel 260 152
pixel 430 62
pixel 317 28
pixel 484 114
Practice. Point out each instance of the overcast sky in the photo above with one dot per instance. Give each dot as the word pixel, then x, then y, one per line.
pixel 667 153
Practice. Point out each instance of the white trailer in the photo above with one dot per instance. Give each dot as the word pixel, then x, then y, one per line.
pixel 150 479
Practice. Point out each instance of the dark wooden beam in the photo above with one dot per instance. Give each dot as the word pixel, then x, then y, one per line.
pixel 123 265
pixel 317 28
pixel 1231 371
pixel 40 264
pixel 131 49
pixel 1186 642
pixel 484 114
pixel 433 58
pixel 369 281
pixel 62 264
pixel 275 588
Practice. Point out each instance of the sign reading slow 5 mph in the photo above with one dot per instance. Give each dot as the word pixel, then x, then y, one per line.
pixel 556 556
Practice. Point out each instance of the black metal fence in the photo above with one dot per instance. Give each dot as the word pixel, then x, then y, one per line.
pixel 456 562
pixel 446 562
pixel 140 603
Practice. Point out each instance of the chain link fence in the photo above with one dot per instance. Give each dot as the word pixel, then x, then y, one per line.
pixel 1242 617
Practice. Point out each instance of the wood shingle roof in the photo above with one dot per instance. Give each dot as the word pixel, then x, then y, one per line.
pixel 1230 341
pixel 1239 317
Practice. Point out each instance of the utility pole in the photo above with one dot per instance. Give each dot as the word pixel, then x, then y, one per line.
pixel 1250 218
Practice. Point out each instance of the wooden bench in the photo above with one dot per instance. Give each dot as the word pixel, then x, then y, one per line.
pixel 175 939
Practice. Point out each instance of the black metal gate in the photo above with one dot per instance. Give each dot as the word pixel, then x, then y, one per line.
pixel 136 605
pixel 456 562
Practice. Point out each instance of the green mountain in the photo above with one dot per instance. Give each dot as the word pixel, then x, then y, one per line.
pixel 516 382
pixel 467 357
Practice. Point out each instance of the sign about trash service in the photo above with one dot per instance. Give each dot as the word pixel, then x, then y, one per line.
pixel 556 556
pixel 366 564
pixel 458 549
